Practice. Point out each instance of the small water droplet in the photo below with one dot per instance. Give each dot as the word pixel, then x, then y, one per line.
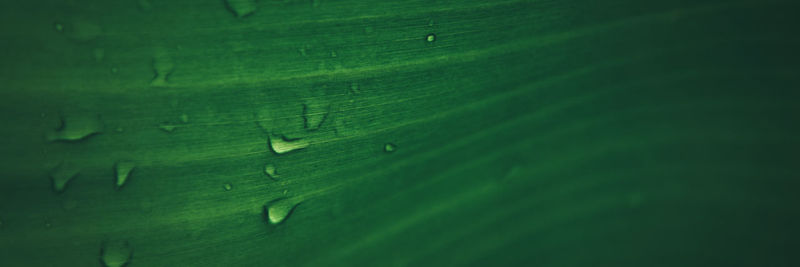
pixel 281 145
pixel 116 253
pixel 431 37
pixel 114 70
pixel 162 66
pixel 167 127
pixel 184 118
pixel 144 5
pixel 119 129
pixel 242 8
pixel 69 204
pixel 430 22
pixel 62 175
pixel 123 172
pixel 333 53
pixel 276 211
pixel 389 147
pixel 59 27
pixel 228 187
pixel 271 171
pixel 99 54
pixel 47 223
pixel 83 31
pixel 76 128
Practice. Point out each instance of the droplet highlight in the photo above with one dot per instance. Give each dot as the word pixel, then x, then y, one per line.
pixel 281 145
pixel 276 211
pixel 123 171
pixel 116 254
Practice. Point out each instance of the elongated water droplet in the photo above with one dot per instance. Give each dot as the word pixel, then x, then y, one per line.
pixel 76 127
pixel 62 175
pixel 389 147
pixel 271 171
pixel 227 187
pixel 430 38
pixel 167 127
pixel 242 8
pixel 162 66
pixel 116 253
pixel 280 145
pixel 276 211
pixel 123 171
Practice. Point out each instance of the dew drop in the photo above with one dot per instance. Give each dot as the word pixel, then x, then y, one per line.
pixel 167 127
pixel 76 127
pixel 271 171
pixel 228 187
pixel 59 27
pixel 99 54
pixel 431 37
pixel 184 118
pixel 242 8
pixel 47 223
pixel 389 147
pixel 276 211
pixel 116 254
pixel 62 175
pixel 123 171
pixel 114 70
pixel 162 66
pixel 281 145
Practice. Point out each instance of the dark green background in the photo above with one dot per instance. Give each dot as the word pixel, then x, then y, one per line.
pixel 534 133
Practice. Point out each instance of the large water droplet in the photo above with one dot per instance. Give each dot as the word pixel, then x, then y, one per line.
pixel 242 8
pixel 76 127
pixel 162 66
pixel 276 211
pixel 116 253
pixel 271 171
pixel 389 147
pixel 123 171
pixel 282 145
pixel 62 174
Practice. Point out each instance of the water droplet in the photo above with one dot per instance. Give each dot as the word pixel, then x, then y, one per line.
pixel 430 22
pixel 271 171
pixel 281 145
pixel 389 147
pixel 242 8
pixel 114 70
pixel 59 27
pixel 333 53
pixel 227 187
pixel 62 175
pixel 76 127
pixel 184 118
pixel 144 5
pixel 167 127
pixel 47 223
pixel 123 171
pixel 83 31
pixel 119 129
pixel 99 54
pixel 162 66
pixel 116 253
pixel 431 37
pixel 276 211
